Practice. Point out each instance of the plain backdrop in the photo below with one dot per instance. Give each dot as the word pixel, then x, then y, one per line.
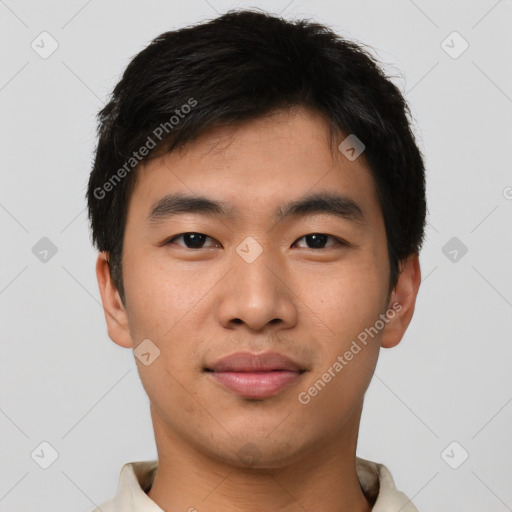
pixel 438 412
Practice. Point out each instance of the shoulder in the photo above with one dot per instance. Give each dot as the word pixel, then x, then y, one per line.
pixel 378 485
pixel 108 506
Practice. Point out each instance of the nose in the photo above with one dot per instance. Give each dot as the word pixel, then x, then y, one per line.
pixel 257 294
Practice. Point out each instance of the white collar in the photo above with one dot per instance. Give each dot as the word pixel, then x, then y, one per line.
pixel 136 479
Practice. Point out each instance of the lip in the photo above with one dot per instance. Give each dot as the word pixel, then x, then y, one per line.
pixel 255 375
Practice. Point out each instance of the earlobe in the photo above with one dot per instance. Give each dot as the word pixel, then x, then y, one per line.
pixel 115 312
pixel 402 301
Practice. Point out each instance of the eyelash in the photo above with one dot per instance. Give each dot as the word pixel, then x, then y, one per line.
pixel 338 241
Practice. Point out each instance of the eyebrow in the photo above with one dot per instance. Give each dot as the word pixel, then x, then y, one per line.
pixel 320 203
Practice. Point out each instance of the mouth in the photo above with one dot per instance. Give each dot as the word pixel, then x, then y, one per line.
pixel 255 376
pixel 256 385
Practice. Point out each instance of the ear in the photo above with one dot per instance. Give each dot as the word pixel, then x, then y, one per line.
pixel 402 301
pixel 115 312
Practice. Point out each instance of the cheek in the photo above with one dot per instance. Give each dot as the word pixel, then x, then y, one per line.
pixel 166 307
pixel 346 301
pixel 158 296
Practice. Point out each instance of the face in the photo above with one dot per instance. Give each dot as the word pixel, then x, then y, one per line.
pixel 253 274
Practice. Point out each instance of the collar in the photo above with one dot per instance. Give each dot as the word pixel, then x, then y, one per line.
pixel 136 479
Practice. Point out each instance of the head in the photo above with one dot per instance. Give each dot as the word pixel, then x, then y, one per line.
pixel 236 131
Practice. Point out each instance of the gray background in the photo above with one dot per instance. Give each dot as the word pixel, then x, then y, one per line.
pixel 64 382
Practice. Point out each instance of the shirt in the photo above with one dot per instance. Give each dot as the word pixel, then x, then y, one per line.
pixel 136 479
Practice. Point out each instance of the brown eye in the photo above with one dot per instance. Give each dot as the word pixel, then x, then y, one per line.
pixel 191 240
pixel 319 240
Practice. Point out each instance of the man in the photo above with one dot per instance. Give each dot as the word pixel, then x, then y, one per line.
pixel 258 201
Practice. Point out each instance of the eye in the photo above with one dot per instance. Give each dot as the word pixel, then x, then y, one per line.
pixel 192 240
pixel 318 240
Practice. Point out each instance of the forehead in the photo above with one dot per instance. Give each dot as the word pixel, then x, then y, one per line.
pixel 257 166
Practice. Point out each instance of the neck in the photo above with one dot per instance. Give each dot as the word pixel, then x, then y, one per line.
pixel 324 478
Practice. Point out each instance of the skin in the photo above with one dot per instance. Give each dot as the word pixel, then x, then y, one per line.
pixel 200 304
